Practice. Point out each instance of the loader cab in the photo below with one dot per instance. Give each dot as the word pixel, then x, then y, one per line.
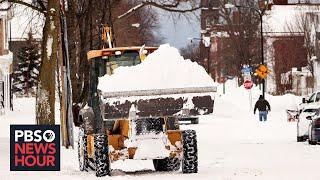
pixel 126 58
pixel 109 59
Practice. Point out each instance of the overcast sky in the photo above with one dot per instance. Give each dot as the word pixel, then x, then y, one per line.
pixel 177 31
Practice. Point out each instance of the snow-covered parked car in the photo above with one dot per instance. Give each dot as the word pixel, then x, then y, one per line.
pixel 314 98
pixel 305 119
pixel 314 130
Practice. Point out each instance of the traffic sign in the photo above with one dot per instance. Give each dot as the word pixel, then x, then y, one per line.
pixel 262 71
pixel 246 70
pixel 248 84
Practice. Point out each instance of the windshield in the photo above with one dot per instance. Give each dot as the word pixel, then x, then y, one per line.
pixel 128 58
pixel 311 111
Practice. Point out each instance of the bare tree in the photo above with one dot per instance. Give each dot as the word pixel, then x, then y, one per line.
pixel 192 52
pixel 240 44
pixel 45 109
pixel 306 21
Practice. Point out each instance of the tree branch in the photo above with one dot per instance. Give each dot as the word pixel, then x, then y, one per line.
pixel 6 9
pixel 167 7
pixel 25 4
pixel 41 4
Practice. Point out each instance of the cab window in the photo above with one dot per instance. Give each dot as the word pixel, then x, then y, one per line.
pixel 128 58
pixel 312 98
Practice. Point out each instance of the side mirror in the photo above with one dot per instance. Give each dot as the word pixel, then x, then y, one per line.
pixel 304 100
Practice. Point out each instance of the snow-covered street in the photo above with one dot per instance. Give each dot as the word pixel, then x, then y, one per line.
pixel 232 145
pixel 135 90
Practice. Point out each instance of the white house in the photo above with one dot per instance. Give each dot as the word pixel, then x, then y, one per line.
pixel 5 58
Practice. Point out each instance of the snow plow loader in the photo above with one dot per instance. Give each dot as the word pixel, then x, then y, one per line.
pixel 139 125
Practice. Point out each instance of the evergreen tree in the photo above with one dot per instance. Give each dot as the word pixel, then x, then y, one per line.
pixel 26 74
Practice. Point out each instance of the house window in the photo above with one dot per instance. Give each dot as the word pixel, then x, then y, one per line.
pixel 213 3
pixel 209 22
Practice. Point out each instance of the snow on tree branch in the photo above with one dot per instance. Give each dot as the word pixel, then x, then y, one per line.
pixel 25 4
pixel 172 7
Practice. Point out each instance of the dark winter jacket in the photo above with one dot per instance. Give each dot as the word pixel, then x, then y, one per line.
pixel 262 105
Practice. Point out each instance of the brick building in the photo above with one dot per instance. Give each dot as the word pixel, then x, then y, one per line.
pixel 284 47
pixel 291 47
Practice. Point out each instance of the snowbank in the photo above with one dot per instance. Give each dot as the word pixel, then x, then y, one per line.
pixel 283 18
pixel 164 68
pixel 240 98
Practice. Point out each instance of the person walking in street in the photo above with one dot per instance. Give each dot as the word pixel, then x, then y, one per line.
pixel 264 107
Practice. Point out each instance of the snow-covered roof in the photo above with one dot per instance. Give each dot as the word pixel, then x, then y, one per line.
pixel 283 18
pixel 25 19
pixel 303 1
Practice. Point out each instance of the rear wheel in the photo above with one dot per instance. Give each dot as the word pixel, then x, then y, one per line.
pixel 190 152
pixel 101 153
pixel 82 151
pixel 167 164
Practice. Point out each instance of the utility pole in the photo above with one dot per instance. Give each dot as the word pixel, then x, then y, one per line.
pixel 66 96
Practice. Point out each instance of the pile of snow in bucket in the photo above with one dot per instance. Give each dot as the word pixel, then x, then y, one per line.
pixel 164 68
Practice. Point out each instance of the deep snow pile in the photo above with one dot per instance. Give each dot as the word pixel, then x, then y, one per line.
pixel 240 97
pixel 286 18
pixel 164 68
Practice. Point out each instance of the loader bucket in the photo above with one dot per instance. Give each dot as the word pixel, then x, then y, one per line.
pixel 180 102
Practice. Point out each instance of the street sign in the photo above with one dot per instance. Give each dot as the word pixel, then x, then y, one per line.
pixel 262 71
pixel 248 84
pixel 246 70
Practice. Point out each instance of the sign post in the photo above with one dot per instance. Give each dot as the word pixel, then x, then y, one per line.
pixel 248 84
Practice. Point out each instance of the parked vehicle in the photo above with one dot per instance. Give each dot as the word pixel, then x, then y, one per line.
pixel 314 130
pixel 313 98
pixel 304 121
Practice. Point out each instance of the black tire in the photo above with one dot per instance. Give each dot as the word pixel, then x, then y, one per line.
pixel 167 164
pixel 300 139
pixel 195 121
pixel 190 152
pixel 311 142
pixel 101 153
pixel 82 151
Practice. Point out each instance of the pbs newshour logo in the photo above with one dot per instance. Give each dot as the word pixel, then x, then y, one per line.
pixel 34 147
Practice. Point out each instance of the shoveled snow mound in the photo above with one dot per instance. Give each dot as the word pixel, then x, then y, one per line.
pixel 164 68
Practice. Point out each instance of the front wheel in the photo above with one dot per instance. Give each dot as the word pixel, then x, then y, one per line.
pixel 101 152
pixel 190 152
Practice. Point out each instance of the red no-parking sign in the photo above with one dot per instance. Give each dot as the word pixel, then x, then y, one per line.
pixel 248 84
